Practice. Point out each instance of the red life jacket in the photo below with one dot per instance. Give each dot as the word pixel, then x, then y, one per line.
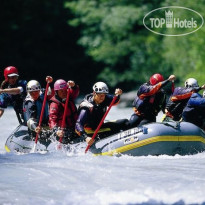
pixel 56 112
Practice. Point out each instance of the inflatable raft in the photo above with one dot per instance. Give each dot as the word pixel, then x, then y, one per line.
pixel 169 138
pixel 20 141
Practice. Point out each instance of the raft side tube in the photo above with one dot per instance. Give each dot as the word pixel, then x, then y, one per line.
pixel 160 138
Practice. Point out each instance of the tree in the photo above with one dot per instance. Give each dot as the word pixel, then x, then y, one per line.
pixel 186 54
pixel 35 37
pixel 113 33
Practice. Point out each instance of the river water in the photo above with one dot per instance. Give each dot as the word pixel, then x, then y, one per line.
pixel 62 178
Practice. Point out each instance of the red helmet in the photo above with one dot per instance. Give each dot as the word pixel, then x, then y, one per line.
pixel 10 71
pixel 156 78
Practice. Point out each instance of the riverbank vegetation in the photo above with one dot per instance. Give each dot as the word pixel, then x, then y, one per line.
pixel 96 40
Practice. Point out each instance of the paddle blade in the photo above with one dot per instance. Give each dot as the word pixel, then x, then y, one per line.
pixel 59 146
pixel 87 148
pixel 33 150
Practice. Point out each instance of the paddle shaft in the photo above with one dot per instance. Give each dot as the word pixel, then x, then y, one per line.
pixel 172 86
pixel 63 125
pixel 42 112
pixel 101 122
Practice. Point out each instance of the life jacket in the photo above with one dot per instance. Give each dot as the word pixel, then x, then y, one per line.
pixel 16 101
pixel 36 107
pixel 57 112
pixel 149 100
pixel 95 111
pixel 194 111
pixel 178 101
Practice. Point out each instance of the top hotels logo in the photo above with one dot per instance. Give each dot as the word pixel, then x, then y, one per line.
pixel 173 21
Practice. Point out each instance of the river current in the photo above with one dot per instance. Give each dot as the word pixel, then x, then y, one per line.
pixel 63 178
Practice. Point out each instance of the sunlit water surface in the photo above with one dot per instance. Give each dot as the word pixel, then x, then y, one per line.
pixel 63 178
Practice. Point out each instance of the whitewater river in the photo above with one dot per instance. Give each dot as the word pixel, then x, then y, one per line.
pixel 60 178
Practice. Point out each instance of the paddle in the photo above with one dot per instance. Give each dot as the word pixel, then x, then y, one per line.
pixel 164 115
pixel 172 86
pixel 41 116
pixel 63 125
pixel 101 122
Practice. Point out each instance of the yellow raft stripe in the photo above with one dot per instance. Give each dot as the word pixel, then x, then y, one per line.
pixel 190 138
pixel 88 131
pixel 7 149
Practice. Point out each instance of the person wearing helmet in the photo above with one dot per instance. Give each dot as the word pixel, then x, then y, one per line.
pixel 92 109
pixel 150 100
pixel 57 104
pixel 194 111
pixel 12 92
pixel 32 106
pixel 179 99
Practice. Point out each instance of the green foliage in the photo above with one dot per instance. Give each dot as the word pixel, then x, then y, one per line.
pixel 186 54
pixel 113 33
pixel 35 37
pixel 113 44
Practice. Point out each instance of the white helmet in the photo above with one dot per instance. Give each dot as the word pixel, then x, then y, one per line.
pixel 191 83
pixel 33 85
pixel 100 87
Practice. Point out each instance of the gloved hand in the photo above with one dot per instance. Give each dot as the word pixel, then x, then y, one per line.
pixel 38 129
pixel 60 133
pixel 1 112
pixel 88 139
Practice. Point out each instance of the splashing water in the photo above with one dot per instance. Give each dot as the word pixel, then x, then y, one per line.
pixel 68 178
